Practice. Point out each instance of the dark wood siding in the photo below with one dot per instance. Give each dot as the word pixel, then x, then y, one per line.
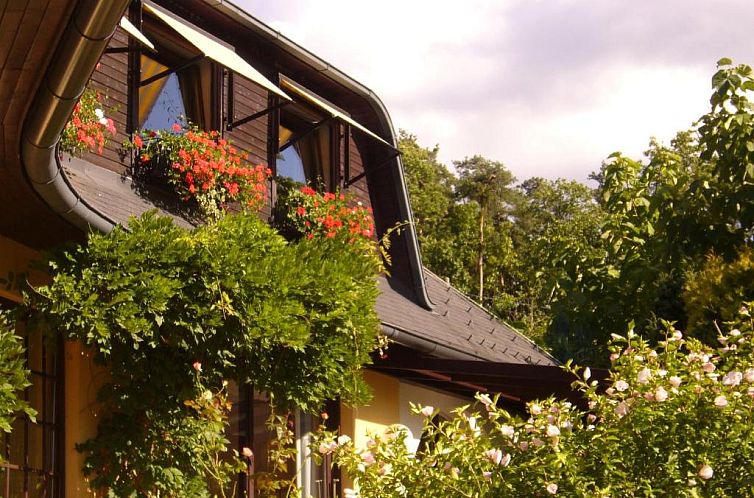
pixel 358 189
pixel 251 137
pixel 110 79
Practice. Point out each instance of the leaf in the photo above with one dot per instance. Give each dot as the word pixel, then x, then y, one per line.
pixel 725 61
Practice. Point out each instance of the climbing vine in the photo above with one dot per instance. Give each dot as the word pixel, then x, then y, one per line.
pixel 14 376
pixel 294 318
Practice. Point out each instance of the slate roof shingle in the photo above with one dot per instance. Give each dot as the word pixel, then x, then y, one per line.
pixel 458 323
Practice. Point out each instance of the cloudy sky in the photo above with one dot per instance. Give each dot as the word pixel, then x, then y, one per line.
pixel 549 87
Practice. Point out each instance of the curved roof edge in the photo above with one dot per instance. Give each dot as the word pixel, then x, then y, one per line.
pixel 77 53
pixel 338 76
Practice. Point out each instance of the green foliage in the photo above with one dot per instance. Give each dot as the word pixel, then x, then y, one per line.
pixel 673 421
pixel 661 218
pixel 569 264
pixel 294 319
pixel 430 185
pixel 715 292
pixel 488 183
pixel 462 219
pixel 14 377
pixel 553 223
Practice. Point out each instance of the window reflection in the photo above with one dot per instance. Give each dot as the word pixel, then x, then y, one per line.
pixel 167 107
pixel 179 97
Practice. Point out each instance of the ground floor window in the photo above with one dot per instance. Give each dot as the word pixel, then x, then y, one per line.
pixel 32 452
pixel 248 428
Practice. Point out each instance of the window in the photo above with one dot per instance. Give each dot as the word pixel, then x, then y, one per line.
pixel 307 151
pixel 248 428
pixel 181 84
pixel 32 451
pixel 176 98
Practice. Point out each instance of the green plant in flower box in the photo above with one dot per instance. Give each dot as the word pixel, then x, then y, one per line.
pixel 201 166
pixel 308 213
pixel 89 128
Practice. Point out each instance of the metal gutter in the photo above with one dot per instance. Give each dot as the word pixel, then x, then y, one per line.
pixel 79 49
pixel 323 67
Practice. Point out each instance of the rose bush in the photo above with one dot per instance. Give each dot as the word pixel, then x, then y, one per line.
pixel 89 128
pixel 675 420
pixel 202 166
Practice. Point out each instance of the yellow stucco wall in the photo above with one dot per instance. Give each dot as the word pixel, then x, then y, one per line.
pixel 390 406
pixel 82 381
pixel 15 259
pixel 82 377
pixel 382 411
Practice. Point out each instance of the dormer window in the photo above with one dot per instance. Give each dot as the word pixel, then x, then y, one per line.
pixel 176 84
pixel 306 147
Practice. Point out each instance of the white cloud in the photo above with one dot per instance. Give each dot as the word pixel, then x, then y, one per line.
pixel 548 87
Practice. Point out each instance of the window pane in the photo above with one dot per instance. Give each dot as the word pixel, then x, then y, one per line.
pixel 289 165
pixel 309 158
pixel 168 105
pixel 17 446
pixel 36 435
pixel 261 412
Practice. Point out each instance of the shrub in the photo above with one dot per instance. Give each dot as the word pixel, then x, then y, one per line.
pixel 714 292
pixel 674 421
pixel 295 319
pixel 14 377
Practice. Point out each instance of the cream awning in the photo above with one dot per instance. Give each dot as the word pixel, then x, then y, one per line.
pixel 216 51
pixel 311 98
pixel 132 30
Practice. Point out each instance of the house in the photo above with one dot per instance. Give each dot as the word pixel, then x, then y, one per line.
pixel 225 70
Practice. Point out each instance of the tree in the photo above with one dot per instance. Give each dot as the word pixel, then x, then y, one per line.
pixel 662 217
pixel 429 182
pixel 548 216
pixel 488 183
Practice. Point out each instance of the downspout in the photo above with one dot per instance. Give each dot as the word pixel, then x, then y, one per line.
pixel 233 11
pixel 80 48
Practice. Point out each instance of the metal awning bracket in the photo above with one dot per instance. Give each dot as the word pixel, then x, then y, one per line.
pixel 170 71
pixel 350 181
pixel 301 135
pixel 256 115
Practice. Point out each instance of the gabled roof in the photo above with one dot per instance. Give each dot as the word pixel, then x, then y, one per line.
pixel 455 328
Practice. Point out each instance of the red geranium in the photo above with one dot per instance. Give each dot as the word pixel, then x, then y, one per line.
pixel 328 215
pixel 89 129
pixel 204 166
